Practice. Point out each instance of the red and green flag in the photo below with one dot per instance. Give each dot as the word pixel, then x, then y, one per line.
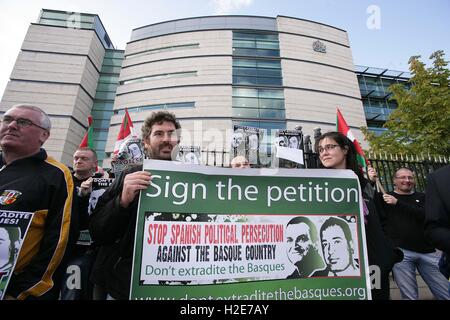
pixel 342 127
pixel 126 131
pixel 88 139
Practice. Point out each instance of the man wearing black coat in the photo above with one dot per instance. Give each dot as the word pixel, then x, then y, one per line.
pixel 113 221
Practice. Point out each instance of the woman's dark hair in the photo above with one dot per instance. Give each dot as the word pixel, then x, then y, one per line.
pixel 345 143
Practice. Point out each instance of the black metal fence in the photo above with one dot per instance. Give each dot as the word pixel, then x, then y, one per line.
pixel 385 165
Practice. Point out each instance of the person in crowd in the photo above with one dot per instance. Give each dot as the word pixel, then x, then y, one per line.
pixel 302 247
pixel 240 162
pixel 403 211
pixel 338 249
pixel 437 215
pixel 336 151
pixel 85 165
pixel 44 187
pixel 113 221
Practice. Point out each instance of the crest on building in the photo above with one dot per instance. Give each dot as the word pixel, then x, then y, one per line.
pixel 319 46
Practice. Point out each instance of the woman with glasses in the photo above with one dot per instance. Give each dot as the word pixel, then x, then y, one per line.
pixel 336 151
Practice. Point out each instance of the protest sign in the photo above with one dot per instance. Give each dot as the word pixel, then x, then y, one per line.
pixel 289 148
pixel 216 233
pixel 13 229
pixel 189 154
pixel 99 186
pixel 246 141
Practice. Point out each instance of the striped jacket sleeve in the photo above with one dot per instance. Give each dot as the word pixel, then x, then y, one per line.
pixel 38 277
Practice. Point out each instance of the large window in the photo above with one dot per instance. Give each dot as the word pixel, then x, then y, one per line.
pixel 257 72
pixel 258 96
pixel 255 44
pixel 258 103
pixel 104 99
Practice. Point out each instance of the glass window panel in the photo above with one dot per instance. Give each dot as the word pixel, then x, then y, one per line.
pixel 108 79
pixel 267 53
pixel 273 64
pixel 269 73
pixel 103 115
pixel 100 144
pixel 242 35
pixel 65 23
pixel 102 105
pixel 266 93
pixel 271 103
pixel 244 92
pixel 239 80
pixel 108 69
pixel 244 44
pixel 245 102
pixel 267 45
pixel 100 123
pixel 100 135
pixel 392 105
pixel 244 52
pixel 114 54
pixel 244 71
pixel 269 81
pixel 67 16
pixel 266 36
pixel 244 63
pixel 272 113
pixel 105 95
pixel 108 61
pixel 107 87
pixel 245 113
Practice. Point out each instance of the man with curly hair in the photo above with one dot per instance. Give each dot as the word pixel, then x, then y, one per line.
pixel 113 221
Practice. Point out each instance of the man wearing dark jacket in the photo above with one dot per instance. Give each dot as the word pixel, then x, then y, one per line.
pixel 437 220
pixel 41 185
pixel 404 213
pixel 80 261
pixel 113 221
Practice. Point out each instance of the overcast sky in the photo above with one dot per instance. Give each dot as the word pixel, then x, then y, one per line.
pixel 382 33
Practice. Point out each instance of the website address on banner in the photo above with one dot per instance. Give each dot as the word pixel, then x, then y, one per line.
pixel 280 294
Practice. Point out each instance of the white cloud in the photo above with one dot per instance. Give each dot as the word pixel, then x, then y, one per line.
pixel 227 6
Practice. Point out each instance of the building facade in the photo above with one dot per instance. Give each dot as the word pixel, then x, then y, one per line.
pixel 69 67
pixel 213 72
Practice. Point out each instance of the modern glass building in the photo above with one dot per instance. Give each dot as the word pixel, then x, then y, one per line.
pixel 213 72
pixel 374 86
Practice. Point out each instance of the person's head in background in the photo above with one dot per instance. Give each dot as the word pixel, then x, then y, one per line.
pixel 84 162
pixel 404 181
pixel 240 162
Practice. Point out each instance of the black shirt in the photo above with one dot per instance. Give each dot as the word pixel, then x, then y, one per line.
pixel 404 221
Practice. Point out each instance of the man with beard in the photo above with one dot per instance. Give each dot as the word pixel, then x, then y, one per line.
pixel 302 242
pixel 113 221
